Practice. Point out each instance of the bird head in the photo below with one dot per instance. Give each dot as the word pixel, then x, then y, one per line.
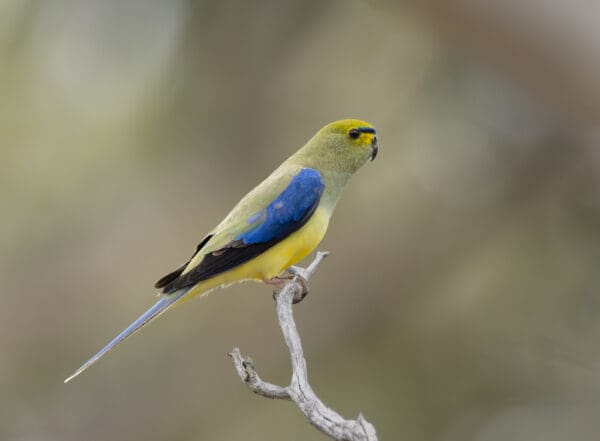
pixel 343 146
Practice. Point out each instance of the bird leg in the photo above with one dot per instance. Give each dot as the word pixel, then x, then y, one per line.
pixel 279 281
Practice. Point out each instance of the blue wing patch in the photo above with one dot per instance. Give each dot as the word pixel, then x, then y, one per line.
pixel 282 217
pixel 293 206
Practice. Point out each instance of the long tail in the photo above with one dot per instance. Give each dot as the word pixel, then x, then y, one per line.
pixel 159 307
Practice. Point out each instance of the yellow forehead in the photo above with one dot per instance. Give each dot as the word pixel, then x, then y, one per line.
pixel 367 131
pixel 345 125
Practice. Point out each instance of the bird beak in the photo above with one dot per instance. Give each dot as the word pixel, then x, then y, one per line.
pixel 374 148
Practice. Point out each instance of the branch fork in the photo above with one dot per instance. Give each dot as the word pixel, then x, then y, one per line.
pixel 299 391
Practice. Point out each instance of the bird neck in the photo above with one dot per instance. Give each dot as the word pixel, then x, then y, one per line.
pixel 334 185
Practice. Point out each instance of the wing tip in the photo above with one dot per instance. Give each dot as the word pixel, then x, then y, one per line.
pixel 168 278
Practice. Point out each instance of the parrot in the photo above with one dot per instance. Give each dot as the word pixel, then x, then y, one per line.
pixel 277 224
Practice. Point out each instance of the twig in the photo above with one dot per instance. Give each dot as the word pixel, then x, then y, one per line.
pixel 299 391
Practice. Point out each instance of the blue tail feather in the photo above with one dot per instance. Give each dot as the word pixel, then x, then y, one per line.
pixel 159 307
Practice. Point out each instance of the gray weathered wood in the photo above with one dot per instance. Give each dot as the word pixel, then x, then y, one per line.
pixel 299 391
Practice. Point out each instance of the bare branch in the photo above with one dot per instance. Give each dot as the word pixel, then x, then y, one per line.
pixel 299 391
pixel 245 369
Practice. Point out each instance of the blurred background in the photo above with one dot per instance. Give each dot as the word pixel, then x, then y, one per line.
pixel 461 298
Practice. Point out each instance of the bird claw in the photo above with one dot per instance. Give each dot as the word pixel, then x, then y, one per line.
pixel 303 291
pixel 280 282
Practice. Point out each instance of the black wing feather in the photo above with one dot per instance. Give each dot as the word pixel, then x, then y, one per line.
pixel 215 263
pixel 167 279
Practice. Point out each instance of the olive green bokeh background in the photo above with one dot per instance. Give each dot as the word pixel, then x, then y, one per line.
pixel 460 301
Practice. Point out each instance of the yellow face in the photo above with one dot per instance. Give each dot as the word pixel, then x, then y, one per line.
pixel 343 146
pixel 358 133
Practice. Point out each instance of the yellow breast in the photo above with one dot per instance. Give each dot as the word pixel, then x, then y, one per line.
pixel 290 250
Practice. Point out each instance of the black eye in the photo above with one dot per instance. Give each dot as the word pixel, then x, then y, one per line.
pixel 354 134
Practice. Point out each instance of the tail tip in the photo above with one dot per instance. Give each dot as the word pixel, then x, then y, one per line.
pixel 69 378
pixel 74 374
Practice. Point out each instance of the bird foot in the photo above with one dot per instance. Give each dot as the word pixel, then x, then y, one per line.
pixel 280 281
